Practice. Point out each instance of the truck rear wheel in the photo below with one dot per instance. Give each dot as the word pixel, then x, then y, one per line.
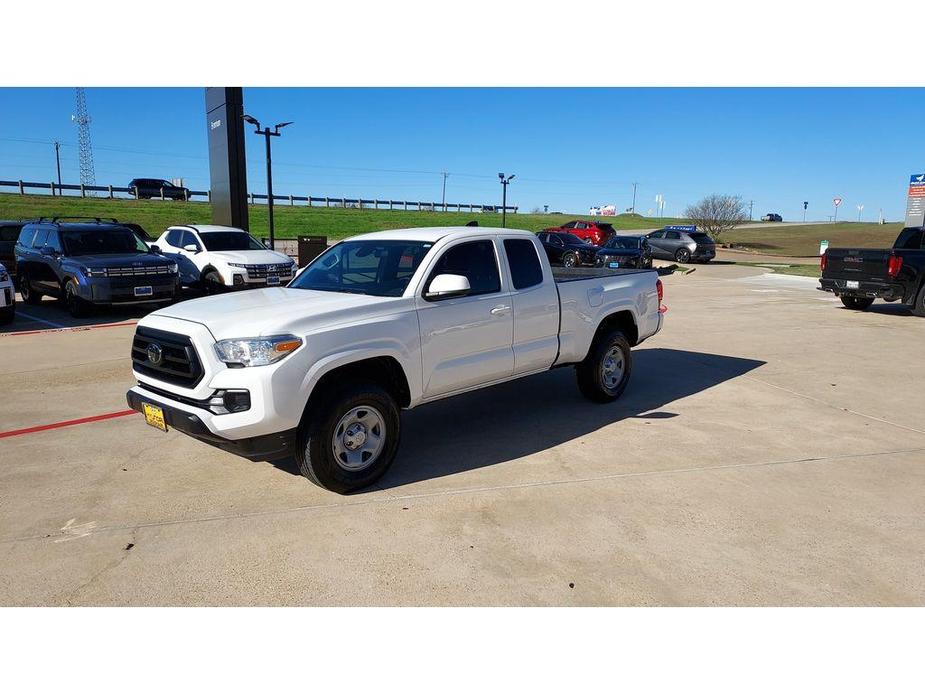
pixel 29 295
pixel 349 436
pixel 856 303
pixel 918 308
pixel 603 375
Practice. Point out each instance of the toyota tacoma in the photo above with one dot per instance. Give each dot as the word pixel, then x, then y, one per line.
pixel 320 369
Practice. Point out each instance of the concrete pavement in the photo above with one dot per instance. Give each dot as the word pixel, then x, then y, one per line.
pixel 766 452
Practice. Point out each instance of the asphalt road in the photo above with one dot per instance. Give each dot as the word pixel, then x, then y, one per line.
pixel 768 451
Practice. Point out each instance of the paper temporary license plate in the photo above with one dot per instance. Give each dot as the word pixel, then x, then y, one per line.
pixel 154 416
pixel 272 280
pixel 143 291
pixel 852 284
pixel 613 265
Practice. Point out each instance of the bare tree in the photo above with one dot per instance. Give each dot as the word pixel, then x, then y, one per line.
pixel 716 214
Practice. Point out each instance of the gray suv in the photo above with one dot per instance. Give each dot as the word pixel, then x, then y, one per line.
pixel 681 245
pixel 90 264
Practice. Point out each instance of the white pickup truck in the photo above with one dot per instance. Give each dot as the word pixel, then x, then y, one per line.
pixel 320 369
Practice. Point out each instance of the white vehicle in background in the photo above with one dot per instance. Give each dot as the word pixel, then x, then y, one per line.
pixel 219 257
pixel 320 369
pixel 7 297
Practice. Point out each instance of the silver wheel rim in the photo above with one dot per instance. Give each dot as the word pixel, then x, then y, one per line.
pixel 569 261
pixel 359 438
pixel 612 368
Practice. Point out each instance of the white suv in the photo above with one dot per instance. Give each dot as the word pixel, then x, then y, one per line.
pixel 7 297
pixel 219 256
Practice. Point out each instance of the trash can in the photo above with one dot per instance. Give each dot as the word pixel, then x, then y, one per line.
pixel 310 247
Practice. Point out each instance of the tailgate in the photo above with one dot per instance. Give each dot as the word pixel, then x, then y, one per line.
pixel 856 263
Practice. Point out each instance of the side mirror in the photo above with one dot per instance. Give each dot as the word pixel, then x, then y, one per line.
pixel 155 248
pixel 48 250
pixel 448 287
pixel 191 247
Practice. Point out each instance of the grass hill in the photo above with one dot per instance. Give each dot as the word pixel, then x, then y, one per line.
pixel 289 221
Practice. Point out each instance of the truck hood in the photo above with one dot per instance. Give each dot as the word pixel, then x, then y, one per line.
pixel 251 257
pixel 277 310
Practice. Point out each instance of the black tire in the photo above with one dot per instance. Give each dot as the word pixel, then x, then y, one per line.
pixel 592 372
pixel 7 314
pixel 27 292
pixel 918 308
pixel 323 426
pixel 570 260
pixel 682 255
pixel 76 306
pixel 212 282
pixel 856 303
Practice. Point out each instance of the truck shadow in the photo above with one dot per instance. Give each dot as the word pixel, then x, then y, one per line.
pixel 526 416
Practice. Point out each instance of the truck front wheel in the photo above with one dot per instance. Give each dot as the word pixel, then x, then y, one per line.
pixel 604 373
pixel 857 303
pixel 349 436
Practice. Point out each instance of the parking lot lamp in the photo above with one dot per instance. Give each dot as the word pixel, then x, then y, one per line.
pixel 504 183
pixel 267 133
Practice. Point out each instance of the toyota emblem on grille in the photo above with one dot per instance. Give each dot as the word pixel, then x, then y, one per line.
pixel 155 353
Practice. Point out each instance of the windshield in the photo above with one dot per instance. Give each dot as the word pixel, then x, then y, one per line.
pixel 101 241
pixel 378 268
pixel 230 241
pixel 623 242
pixel 571 238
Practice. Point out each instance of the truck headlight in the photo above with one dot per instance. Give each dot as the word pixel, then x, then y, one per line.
pixel 172 268
pixel 240 265
pixel 256 351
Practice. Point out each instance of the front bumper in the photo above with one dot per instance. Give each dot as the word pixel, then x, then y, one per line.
pixel 7 295
pixel 889 291
pixel 191 422
pixel 122 290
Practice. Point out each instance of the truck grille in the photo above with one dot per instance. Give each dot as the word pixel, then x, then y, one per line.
pixel 135 271
pixel 178 362
pixel 256 272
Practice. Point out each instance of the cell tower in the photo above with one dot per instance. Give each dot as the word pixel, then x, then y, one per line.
pixel 85 150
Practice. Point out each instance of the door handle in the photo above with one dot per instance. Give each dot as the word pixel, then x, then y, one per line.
pixel 500 310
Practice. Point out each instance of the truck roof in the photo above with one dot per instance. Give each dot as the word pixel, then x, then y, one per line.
pixel 433 234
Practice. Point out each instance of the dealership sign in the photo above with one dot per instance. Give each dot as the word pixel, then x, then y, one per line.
pixel 915 201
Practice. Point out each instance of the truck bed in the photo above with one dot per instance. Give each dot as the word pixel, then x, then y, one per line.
pixel 570 274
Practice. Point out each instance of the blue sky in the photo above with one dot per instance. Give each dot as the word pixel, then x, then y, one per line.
pixel 569 148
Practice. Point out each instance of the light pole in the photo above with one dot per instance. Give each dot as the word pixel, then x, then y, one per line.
pixel 267 133
pixel 445 174
pixel 504 183
pixel 633 208
pixel 58 163
pixel 805 205
pixel 860 207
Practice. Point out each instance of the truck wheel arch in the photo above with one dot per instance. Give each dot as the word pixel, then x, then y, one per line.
pixel 624 321
pixel 385 371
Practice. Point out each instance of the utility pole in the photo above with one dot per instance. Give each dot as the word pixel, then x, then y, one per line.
pixel 267 133
pixel 633 208
pixel 445 174
pixel 805 205
pixel 751 203
pixel 504 184
pixel 58 163
pixel 860 207
pixel 85 150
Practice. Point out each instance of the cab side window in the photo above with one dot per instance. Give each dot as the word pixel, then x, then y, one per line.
pixel 524 263
pixel 476 261
pixel 54 241
pixel 173 238
pixel 673 235
pixel 39 241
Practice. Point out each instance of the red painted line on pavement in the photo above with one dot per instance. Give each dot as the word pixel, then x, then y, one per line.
pixel 68 423
pixel 65 330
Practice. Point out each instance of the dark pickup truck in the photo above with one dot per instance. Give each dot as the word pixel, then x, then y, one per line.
pixel 859 275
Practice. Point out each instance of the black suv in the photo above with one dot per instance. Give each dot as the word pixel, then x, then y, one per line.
pixel 91 263
pixel 9 232
pixel 147 188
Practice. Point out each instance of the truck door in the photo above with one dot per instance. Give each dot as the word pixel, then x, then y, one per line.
pixel 467 340
pixel 536 307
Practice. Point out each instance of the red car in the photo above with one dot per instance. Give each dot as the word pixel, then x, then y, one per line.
pixel 595 232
